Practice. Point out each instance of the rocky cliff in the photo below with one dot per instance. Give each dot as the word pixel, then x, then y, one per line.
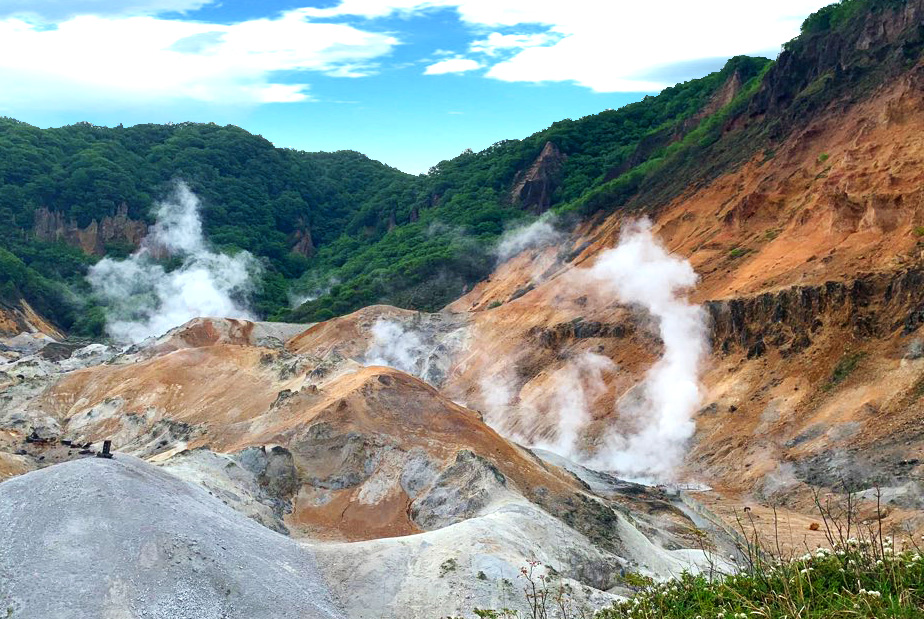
pixel 533 188
pixel 55 227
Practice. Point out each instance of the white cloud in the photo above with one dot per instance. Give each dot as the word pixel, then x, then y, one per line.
pixel 453 65
pixel 56 10
pixel 608 46
pixel 87 62
pixel 497 42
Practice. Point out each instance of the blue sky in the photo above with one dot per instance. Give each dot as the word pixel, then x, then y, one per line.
pixel 407 82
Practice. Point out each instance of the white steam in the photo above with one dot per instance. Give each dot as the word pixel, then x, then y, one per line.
pixel 299 298
pixel 575 387
pixel 145 300
pixel 640 271
pixel 655 417
pixel 540 233
pixel 397 347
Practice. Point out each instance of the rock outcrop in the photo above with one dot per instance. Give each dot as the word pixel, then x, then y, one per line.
pixel 54 227
pixel 874 305
pixel 533 188
pixel 303 439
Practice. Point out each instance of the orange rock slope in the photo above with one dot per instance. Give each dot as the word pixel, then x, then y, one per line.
pixel 351 430
pixel 810 264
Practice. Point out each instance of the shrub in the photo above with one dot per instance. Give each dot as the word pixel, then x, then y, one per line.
pixel 861 574
pixel 844 368
pixel 737 252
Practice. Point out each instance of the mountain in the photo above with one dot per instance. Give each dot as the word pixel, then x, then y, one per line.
pixel 613 400
pixel 337 222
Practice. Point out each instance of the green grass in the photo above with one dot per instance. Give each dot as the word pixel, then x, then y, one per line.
pixel 855 581
pixel 844 368
pixel 737 252
pixel 771 234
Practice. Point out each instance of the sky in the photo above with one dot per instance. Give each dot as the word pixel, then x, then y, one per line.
pixel 406 82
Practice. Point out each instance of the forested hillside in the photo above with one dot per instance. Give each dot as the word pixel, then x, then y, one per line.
pixel 347 228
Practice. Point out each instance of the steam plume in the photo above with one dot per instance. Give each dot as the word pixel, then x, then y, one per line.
pixel 640 271
pixel 144 300
pixel 576 385
pixel 655 415
pixel 540 233
pixel 397 347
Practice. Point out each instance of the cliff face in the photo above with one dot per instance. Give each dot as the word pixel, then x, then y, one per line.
pixel 53 226
pixel 872 47
pixel 533 188
pixel 811 271
pixel 19 317
pixel 301 240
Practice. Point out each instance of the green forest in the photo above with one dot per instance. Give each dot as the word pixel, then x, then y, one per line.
pixel 378 235
pixel 368 233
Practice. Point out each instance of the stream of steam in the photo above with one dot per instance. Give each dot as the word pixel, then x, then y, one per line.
pixel 143 299
pixel 639 271
pixel 656 415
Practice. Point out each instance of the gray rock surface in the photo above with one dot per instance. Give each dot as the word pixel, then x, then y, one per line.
pixel 122 539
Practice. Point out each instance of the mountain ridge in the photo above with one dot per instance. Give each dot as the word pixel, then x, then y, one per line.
pixel 302 225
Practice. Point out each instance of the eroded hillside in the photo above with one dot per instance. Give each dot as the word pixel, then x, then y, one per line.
pixel 425 457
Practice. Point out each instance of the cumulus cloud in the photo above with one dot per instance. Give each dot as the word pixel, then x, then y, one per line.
pixel 144 300
pixel 497 42
pixel 616 46
pixel 93 61
pixel 55 10
pixel 452 65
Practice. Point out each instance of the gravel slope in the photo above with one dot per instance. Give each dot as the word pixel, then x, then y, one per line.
pixel 122 539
